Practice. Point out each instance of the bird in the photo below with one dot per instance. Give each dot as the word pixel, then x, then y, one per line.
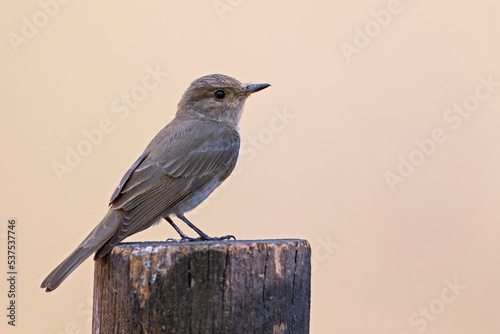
pixel 185 162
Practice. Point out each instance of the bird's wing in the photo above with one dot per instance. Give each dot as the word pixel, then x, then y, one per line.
pixel 126 176
pixel 165 167
pixel 166 176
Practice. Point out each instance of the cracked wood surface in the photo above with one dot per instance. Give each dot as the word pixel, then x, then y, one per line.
pixel 242 286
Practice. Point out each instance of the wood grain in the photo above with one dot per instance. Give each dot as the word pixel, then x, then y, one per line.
pixel 243 286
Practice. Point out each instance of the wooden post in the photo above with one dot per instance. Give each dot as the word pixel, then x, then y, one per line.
pixel 242 286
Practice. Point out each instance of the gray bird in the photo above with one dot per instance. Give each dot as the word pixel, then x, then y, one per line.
pixel 182 165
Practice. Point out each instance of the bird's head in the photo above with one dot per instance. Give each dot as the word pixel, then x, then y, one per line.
pixel 216 97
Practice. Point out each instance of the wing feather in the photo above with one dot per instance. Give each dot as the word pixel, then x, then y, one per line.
pixel 126 176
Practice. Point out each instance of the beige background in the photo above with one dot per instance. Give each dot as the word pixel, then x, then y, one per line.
pixel 383 259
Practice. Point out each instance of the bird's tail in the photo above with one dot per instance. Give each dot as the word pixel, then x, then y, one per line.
pixel 98 237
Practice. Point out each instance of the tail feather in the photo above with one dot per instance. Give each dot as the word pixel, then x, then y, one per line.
pixel 95 240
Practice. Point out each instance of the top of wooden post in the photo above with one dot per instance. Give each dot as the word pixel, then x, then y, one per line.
pixel 236 286
pixel 212 242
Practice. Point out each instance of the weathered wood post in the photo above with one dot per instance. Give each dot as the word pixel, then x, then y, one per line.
pixel 257 286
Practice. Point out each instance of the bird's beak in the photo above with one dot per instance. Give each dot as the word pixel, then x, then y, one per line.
pixel 249 89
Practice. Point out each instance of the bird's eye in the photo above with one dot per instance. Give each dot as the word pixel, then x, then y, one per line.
pixel 219 94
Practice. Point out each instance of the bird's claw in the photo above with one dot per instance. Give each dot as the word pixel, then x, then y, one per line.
pixel 226 237
pixel 207 238
pixel 172 240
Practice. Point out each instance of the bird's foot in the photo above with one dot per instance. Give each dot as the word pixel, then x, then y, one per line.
pixel 207 238
pixel 226 237
pixel 173 240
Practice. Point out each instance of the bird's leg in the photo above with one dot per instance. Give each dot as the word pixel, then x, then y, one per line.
pixel 203 236
pixel 182 234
